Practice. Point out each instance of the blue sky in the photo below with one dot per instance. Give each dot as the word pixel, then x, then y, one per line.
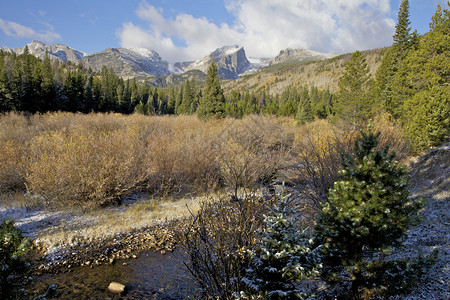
pixel 182 30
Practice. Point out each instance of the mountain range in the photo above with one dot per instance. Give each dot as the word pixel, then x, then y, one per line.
pixel 232 61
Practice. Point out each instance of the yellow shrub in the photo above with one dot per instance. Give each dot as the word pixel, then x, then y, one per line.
pixel 81 166
pixel 11 166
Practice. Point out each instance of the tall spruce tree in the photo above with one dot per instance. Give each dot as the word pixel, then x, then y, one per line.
pixel 188 99
pixel 212 103
pixel 304 110
pixel 351 102
pixel 171 101
pixel 421 86
pixel 6 98
pixel 404 40
pixel 403 36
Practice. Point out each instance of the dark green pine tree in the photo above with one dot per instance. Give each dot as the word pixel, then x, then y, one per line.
pixel 140 108
pixel 187 100
pixel 284 256
pixel 304 110
pixel 179 98
pixel 422 87
pixel 6 97
pixel 289 101
pixel 48 93
pixel 135 98
pixel 123 102
pixel 171 101
pixel 403 38
pixel 162 102
pixel 392 61
pixel 367 212
pixel 13 246
pixel 212 103
pixel 351 102
pixel 26 92
pixel 232 108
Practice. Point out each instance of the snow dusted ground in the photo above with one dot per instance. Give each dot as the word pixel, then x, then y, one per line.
pixel 430 177
pixel 56 229
pixel 35 221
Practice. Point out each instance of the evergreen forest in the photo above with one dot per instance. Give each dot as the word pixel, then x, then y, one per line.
pixel 411 85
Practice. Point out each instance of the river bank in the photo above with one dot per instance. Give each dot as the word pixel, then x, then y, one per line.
pixel 148 262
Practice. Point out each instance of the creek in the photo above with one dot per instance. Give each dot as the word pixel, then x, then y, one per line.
pixel 150 276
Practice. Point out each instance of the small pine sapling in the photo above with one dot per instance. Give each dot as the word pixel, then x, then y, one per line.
pixel 284 256
pixel 12 247
pixel 367 212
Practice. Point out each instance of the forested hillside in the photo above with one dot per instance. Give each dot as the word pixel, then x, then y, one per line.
pixel 409 81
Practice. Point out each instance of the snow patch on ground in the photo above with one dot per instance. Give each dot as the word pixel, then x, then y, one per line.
pixel 33 221
pixel 431 179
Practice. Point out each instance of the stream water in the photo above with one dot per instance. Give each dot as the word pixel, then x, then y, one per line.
pixel 150 276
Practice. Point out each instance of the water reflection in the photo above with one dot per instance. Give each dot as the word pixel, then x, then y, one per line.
pixel 150 276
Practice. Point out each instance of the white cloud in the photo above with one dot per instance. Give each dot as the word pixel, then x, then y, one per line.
pixel 264 27
pixel 19 31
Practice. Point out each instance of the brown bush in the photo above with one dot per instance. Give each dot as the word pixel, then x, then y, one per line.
pixel 85 167
pixel 318 149
pixel 96 158
pixel 252 151
pixel 216 241
pixel 11 166
pixel 392 135
pixel 319 146
pixel 181 157
pixel 14 134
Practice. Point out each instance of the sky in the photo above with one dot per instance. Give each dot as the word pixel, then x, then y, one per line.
pixel 185 30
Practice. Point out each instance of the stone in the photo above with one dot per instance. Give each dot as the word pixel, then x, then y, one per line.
pixel 163 252
pixel 116 288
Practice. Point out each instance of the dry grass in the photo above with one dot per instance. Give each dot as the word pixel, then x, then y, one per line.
pixel 93 160
pixel 100 224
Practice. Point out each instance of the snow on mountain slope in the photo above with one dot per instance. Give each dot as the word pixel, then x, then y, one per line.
pixel 128 63
pixel 231 62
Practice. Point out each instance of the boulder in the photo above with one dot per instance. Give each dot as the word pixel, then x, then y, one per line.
pixel 116 288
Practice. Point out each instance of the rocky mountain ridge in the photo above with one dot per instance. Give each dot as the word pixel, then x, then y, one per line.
pixel 299 55
pixel 232 61
pixel 55 51
pixel 128 63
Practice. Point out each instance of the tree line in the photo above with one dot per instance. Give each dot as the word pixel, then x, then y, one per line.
pixel 34 85
pixel 412 85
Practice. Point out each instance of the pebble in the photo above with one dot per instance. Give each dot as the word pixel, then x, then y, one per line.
pixel 108 251
pixel 116 288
